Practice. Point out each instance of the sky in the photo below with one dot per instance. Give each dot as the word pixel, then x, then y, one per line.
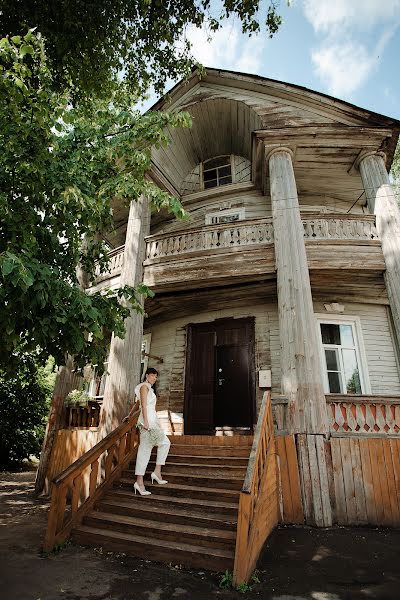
pixel 349 49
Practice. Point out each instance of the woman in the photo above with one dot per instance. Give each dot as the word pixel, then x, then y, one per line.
pixel 151 433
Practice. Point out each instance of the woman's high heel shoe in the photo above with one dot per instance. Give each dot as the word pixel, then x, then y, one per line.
pixel 142 493
pixel 160 481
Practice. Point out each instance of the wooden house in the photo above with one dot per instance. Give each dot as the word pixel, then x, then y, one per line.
pixel 275 328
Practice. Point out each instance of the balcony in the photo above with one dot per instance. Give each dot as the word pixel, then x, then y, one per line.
pixel 244 251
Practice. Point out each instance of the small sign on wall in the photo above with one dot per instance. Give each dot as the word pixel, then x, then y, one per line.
pixel 264 378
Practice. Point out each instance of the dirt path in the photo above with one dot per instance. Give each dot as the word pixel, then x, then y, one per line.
pixel 298 564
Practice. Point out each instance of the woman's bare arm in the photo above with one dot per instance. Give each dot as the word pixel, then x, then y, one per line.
pixel 143 401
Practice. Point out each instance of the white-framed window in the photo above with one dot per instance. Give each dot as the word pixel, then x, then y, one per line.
pixel 343 357
pixel 146 341
pixel 229 215
pixel 217 171
pixel 97 384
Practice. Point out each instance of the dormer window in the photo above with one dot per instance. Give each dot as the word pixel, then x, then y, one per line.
pixel 217 172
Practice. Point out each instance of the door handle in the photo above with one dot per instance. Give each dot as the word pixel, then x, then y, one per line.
pixel 220 381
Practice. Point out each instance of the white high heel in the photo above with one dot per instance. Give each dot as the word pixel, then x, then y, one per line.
pixel 160 481
pixel 142 493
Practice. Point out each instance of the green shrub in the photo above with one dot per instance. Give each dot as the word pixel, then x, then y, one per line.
pixel 24 403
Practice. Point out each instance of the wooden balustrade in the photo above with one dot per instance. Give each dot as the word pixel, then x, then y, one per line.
pixel 243 235
pixel 83 417
pixel 210 237
pixel 363 415
pixel 258 502
pixel 340 227
pixel 116 257
pixel 76 489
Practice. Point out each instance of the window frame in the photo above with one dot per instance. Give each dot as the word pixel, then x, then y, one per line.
pixel 230 162
pixel 359 347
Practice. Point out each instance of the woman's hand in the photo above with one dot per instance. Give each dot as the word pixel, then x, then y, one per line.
pixel 146 425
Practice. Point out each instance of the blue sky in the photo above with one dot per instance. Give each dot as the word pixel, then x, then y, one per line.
pixel 349 49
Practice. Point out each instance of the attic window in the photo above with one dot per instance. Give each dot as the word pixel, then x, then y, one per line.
pixel 217 172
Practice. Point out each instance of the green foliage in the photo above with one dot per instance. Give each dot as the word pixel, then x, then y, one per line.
pixel 145 40
pixel 24 402
pixel 226 581
pixel 59 169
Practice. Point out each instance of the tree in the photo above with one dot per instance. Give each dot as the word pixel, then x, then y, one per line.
pixel 59 169
pixel 89 43
pixel 24 402
pixel 70 143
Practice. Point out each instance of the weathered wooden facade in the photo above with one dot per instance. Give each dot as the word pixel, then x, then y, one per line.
pixel 286 277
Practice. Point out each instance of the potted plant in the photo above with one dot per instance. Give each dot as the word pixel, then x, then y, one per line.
pixel 77 398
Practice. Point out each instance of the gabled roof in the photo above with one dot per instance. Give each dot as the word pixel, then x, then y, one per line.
pixel 232 112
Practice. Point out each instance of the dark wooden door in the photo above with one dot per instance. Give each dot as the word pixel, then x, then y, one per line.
pixel 219 380
pixel 232 406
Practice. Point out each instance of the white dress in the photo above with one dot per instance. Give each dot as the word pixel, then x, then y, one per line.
pixel 145 446
pixel 151 405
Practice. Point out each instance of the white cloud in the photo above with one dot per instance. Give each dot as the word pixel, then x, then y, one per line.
pixel 344 61
pixel 344 66
pixel 227 49
pixel 361 14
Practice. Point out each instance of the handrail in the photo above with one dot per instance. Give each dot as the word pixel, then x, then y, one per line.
pixel 258 502
pixel 86 480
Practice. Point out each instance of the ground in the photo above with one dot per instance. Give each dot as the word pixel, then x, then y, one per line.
pixel 297 563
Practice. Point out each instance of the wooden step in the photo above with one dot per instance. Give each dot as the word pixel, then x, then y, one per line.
pixel 189 491
pixel 195 450
pixel 162 500
pixel 240 461
pixel 213 470
pixel 191 478
pixel 172 514
pixel 202 536
pixel 178 552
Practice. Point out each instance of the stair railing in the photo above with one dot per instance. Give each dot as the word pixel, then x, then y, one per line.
pixel 87 479
pixel 258 502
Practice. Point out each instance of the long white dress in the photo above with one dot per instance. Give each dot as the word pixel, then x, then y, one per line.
pixel 145 446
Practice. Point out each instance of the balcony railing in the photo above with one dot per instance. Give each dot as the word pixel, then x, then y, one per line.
pixel 210 237
pixel 244 235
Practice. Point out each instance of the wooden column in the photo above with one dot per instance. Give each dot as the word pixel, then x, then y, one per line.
pixel 125 354
pixel 382 202
pixel 300 363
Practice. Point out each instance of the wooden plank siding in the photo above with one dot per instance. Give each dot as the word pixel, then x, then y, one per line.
pixel 289 480
pixel 366 481
pixel 69 445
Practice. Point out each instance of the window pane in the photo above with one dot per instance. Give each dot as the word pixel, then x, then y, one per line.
pixel 224 171
pixel 225 180
pixel 334 383
pixel 330 333
pixel 351 372
pixel 210 184
pixel 332 363
pixel 217 162
pixel 346 335
pixel 210 174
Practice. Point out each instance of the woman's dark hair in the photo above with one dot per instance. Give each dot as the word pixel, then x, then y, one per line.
pixel 151 371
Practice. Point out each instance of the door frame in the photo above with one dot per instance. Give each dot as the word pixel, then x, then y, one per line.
pixel 252 367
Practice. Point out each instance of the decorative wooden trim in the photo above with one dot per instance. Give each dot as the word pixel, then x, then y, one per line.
pixel 363 416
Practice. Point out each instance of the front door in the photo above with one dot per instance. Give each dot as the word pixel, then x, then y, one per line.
pixel 219 381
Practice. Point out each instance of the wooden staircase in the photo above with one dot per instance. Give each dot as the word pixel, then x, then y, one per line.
pixel 190 521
